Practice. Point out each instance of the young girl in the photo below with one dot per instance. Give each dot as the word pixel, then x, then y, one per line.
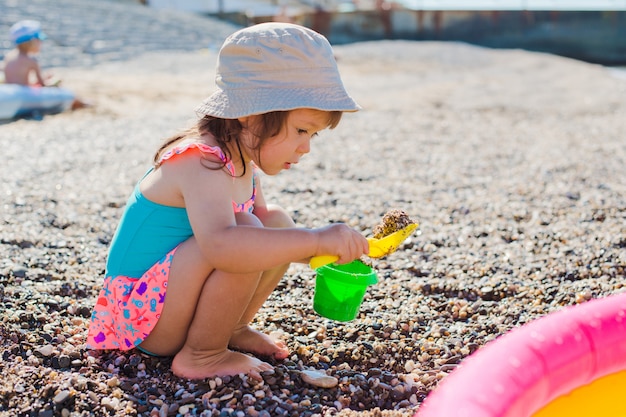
pixel 198 249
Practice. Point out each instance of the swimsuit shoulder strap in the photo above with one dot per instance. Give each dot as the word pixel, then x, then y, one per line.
pixel 202 147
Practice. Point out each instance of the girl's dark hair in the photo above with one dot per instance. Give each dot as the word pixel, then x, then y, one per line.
pixel 228 131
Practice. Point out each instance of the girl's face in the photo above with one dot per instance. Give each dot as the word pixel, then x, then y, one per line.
pixel 293 141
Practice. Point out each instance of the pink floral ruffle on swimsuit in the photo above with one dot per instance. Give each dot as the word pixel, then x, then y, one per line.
pixel 128 308
pixel 202 147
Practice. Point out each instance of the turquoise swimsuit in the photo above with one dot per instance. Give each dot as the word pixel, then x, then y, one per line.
pixel 148 230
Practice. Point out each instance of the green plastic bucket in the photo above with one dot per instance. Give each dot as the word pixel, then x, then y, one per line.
pixel 339 289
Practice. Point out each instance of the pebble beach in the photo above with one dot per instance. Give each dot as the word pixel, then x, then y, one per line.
pixel 512 162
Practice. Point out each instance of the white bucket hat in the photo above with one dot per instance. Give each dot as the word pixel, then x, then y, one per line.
pixel 276 66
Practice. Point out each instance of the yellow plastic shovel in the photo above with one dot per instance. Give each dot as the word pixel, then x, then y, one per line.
pixel 378 247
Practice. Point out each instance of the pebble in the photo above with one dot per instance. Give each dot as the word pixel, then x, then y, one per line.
pixel 61 397
pixel 318 379
pixel 46 350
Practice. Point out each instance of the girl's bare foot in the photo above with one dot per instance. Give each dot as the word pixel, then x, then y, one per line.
pixel 247 339
pixel 199 365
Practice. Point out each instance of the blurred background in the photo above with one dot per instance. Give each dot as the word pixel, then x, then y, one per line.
pixel 588 30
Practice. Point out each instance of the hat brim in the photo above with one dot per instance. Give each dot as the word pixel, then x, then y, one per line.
pixel 30 36
pixel 233 104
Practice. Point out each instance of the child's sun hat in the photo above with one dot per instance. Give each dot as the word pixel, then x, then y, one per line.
pixel 276 67
pixel 26 30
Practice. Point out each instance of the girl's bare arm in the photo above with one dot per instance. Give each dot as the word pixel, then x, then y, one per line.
pixel 208 198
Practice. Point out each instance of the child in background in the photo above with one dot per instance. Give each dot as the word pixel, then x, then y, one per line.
pixel 198 249
pixel 21 65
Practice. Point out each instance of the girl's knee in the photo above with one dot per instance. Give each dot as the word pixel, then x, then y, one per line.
pixel 247 219
pixel 277 217
pixel 274 216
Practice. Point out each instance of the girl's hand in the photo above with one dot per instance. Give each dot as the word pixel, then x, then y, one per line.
pixel 342 241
